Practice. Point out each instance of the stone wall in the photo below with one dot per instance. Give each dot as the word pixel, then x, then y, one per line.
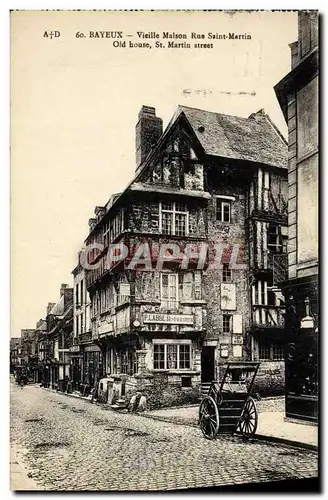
pixel 228 234
pixel 270 379
pixel 162 390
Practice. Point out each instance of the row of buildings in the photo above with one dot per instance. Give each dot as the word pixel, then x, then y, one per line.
pixel 187 268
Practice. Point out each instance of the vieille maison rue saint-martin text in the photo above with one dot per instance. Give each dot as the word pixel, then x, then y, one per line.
pixel 174 40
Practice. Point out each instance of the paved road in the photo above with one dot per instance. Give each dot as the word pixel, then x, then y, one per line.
pixel 69 444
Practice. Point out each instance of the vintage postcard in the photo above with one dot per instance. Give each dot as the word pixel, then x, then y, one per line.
pixel 164 249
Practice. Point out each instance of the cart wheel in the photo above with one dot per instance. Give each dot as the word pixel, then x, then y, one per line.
pixel 248 421
pixel 209 417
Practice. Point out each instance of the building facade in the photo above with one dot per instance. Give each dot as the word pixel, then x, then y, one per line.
pixel 57 340
pixel 297 93
pixel 86 356
pixel 15 353
pixel 183 266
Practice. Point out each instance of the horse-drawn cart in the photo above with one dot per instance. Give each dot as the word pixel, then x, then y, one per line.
pixel 228 406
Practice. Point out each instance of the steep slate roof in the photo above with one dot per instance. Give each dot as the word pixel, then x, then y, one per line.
pixel 59 308
pixel 254 139
pixel 42 326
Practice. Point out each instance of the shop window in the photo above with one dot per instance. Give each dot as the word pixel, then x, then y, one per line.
pixel 172 356
pixel 264 350
pixel 159 356
pixel 278 352
pixel 184 356
pixel 271 351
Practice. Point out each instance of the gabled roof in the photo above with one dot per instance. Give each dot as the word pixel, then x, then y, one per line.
pixel 254 139
pixel 65 319
pixel 42 326
pixel 59 308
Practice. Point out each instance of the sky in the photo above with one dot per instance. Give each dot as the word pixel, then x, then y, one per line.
pixel 74 107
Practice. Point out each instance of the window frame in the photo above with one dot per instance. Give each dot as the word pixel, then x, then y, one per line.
pixel 229 316
pixel 270 346
pixel 173 213
pixel 221 203
pixel 168 300
pixel 278 246
pixel 178 361
pixel 226 273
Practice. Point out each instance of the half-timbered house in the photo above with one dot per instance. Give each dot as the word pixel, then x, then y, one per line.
pixel 183 264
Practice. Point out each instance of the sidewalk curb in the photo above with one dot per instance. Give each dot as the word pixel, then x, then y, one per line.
pixel 260 437
pixel 169 420
pixel 289 442
pixel 76 396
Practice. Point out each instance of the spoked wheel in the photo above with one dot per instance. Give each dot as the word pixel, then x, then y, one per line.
pixel 209 417
pixel 248 421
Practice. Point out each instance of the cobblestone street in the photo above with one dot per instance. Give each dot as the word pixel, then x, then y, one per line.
pixel 69 444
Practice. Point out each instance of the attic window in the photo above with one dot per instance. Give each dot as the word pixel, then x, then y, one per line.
pixel 201 129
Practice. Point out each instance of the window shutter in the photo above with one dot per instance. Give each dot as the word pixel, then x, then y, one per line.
pixel 187 286
pixel 124 289
pixel 237 323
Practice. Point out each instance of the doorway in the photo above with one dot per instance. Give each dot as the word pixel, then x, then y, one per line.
pixel 208 364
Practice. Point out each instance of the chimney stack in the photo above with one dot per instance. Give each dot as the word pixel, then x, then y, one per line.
pixel 148 130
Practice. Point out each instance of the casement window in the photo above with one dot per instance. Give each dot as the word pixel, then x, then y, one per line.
pixel 226 273
pixel 169 291
pixel 223 210
pixel 82 322
pixel 227 323
pixel 77 325
pixel 173 218
pixel 270 351
pixel 277 238
pixel 172 356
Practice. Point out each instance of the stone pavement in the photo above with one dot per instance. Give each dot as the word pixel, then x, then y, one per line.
pixel 19 477
pixel 69 444
pixel 271 421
